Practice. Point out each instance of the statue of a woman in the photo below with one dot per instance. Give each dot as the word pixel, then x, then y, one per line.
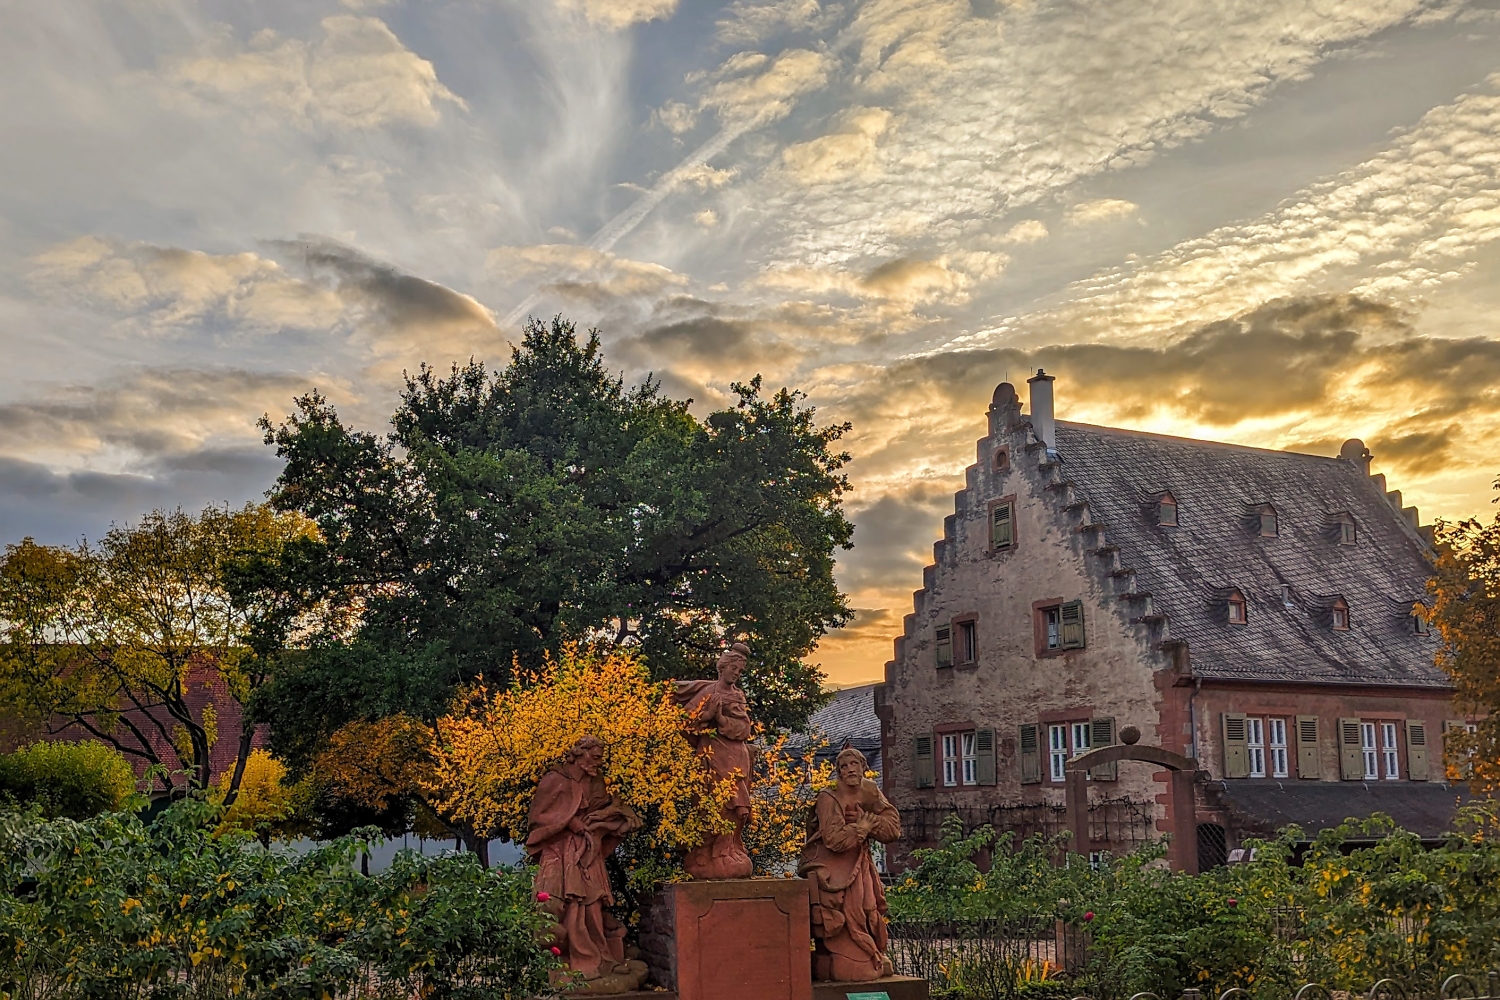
pixel 575 823
pixel 719 728
pixel 848 901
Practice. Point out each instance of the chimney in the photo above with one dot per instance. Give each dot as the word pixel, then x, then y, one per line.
pixel 1041 409
pixel 1354 450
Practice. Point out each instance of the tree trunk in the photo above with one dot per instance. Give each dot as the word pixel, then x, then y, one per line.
pixel 480 846
pixel 247 733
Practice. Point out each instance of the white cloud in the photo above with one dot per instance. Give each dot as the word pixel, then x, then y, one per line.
pixel 357 76
pixel 751 89
pixel 1100 210
pixel 582 270
pixel 845 153
pixel 1396 225
pixel 1029 231
pixel 618 14
pixel 707 218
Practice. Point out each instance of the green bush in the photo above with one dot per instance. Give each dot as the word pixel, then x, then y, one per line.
pixel 112 907
pixel 1365 901
pixel 73 780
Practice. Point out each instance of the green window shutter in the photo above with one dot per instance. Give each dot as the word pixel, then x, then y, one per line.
pixel 1031 755
pixel 1416 750
pixel 1102 734
pixel 1351 751
pixel 1002 525
pixel 984 756
pixel 1309 749
pixel 1236 746
pixel 943 637
pixel 1071 616
pixel 921 760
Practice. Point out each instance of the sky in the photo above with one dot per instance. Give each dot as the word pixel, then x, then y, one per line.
pixel 1271 222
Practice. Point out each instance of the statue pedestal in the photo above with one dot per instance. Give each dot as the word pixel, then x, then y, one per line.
pixel 894 987
pixel 738 939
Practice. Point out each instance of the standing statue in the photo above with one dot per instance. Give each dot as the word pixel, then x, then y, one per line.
pixel 848 901
pixel 719 728
pixel 574 824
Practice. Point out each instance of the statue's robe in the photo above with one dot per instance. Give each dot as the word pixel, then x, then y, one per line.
pixel 570 864
pixel 848 901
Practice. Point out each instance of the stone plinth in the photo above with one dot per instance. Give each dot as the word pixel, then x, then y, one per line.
pixel 895 987
pixel 738 939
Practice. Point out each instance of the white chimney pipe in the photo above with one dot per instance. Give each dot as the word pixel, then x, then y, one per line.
pixel 1042 421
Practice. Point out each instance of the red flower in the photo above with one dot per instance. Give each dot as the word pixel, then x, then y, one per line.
pixel 542 897
pixel 555 950
pixel 1233 901
pixel 1088 916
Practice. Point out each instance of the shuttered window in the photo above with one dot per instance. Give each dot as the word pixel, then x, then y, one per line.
pixel 1070 616
pixel 968 642
pixel 1276 734
pixel 1309 755
pixel 1389 755
pixel 1002 525
pixel 1416 750
pixel 984 756
pixel 1102 734
pixel 1057 751
pixel 1255 747
pixel 1031 754
pixel 921 760
pixel 1236 748
pixel 1351 760
pixel 943 639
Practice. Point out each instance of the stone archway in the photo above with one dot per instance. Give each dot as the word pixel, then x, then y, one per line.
pixel 1182 852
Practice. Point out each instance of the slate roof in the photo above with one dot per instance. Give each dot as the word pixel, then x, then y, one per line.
pixel 1188 570
pixel 848 718
pixel 1424 808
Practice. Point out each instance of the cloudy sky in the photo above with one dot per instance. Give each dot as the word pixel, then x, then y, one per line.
pixel 1272 222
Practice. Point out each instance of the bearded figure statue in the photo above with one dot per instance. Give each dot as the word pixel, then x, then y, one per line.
pixel 719 728
pixel 848 901
pixel 575 823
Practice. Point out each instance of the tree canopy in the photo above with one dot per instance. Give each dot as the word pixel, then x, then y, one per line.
pixel 1465 607
pixel 506 514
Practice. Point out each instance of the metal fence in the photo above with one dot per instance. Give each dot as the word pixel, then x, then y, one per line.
pixel 1003 950
pixel 1122 823
pixel 1456 987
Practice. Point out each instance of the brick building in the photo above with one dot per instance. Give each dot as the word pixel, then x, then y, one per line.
pixel 1251 609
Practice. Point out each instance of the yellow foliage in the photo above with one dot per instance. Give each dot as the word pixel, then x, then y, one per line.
pixel 265 800
pixel 782 794
pixel 489 753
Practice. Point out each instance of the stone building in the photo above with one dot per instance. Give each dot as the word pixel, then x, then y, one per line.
pixel 1251 609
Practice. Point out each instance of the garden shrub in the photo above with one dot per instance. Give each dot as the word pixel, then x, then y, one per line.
pixel 73 780
pixel 112 907
pixel 1367 901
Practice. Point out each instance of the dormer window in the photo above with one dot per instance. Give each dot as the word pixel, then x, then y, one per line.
pixel 1288 600
pixel 1340 612
pixel 1237 610
pixel 1419 624
pixel 1166 510
pixel 1343 528
pixel 1268 521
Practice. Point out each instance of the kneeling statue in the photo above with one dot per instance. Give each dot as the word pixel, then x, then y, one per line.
pixel 848 901
pixel 575 823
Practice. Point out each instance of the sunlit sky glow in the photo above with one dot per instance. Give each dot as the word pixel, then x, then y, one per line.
pixel 1272 222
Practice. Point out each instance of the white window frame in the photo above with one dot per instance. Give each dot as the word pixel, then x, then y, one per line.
pixel 970 758
pixel 1052 622
pixel 1390 757
pixel 1276 739
pixel 1057 751
pixel 1082 734
pixel 950 760
pixel 1255 746
pixel 1367 748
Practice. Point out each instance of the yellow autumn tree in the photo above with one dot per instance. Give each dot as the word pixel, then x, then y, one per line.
pixel 490 752
pixel 266 804
pixel 787 783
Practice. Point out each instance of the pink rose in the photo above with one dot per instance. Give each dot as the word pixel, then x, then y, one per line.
pixel 542 897
pixel 1088 916
pixel 555 950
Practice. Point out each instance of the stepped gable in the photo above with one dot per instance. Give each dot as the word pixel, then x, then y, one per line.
pixel 1216 546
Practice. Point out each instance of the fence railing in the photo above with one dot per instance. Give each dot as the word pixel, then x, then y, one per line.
pixel 1456 987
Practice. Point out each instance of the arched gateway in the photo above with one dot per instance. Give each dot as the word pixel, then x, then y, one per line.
pixel 1182 852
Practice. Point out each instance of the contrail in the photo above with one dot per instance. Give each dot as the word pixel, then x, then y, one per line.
pixel 617 228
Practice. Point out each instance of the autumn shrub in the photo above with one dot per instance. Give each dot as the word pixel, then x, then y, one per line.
pixel 113 907
pixel 75 780
pixel 267 805
pixel 1365 901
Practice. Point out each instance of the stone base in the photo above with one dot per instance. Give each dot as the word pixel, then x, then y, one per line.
pixel 738 939
pixel 896 987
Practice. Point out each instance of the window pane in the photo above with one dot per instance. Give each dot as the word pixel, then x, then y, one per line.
pixel 1255 743
pixel 1277 737
pixel 1057 741
pixel 1367 745
pixel 1054 628
pixel 1388 751
pixel 1080 737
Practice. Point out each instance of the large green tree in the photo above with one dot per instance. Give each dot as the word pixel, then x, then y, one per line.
pixel 506 513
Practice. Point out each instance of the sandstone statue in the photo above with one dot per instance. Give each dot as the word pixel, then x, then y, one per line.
pixel 575 823
pixel 719 728
pixel 848 901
